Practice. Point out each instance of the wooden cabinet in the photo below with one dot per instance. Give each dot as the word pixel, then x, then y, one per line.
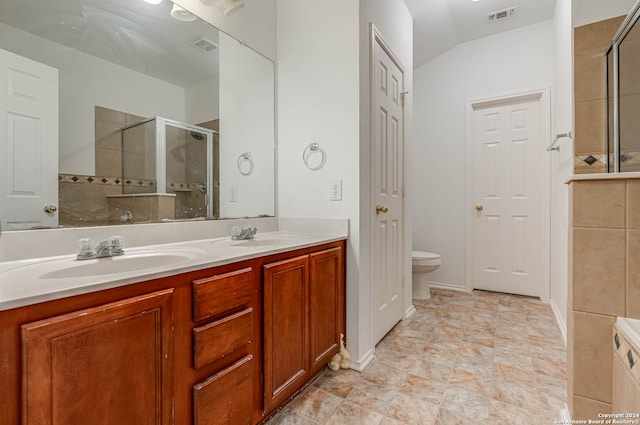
pixel 224 345
pixel 109 364
pixel 303 320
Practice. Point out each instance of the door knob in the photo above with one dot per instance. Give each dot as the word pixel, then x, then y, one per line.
pixel 381 209
pixel 50 209
pixel 479 207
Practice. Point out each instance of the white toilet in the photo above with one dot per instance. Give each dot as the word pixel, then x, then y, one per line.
pixel 423 263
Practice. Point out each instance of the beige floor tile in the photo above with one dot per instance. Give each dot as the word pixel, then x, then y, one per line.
pixel 461 379
pixel 434 370
pixel 315 404
pixel 450 417
pixel 372 397
pixel 289 417
pixel 463 358
pixel 349 413
pixel 339 383
pixel 412 411
pixel 466 403
pixel 508 414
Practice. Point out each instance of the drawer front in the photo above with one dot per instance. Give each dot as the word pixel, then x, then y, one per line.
pixel 218 294
pixel 226 397
pixel 222 337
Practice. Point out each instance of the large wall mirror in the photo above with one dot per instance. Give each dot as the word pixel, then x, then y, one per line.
pixel 116 112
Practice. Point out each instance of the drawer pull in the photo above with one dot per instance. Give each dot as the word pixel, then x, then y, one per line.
pixel 616 338
pixel 630 358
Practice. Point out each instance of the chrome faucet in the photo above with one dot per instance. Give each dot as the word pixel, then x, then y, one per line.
pixel 246 233
pixel 110 248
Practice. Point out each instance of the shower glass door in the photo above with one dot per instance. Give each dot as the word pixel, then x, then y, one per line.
pixel 188 176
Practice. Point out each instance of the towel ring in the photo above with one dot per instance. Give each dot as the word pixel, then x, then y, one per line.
pixel 311 149
pixel 245 157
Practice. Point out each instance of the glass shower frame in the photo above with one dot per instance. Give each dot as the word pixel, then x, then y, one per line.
pixel 161 154
pixel 612 66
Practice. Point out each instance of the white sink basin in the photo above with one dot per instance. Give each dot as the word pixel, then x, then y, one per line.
pixel 129 262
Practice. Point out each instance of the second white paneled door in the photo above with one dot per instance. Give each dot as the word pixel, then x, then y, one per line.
pixel 387 179
pixel 507 192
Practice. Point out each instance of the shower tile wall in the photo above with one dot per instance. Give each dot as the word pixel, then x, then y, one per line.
pixel 82 198
pixel 109 124
pixel 590 46
pixel 604 283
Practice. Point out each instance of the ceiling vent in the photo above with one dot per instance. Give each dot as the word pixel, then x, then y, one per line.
pixel 502 14
pixel 204 45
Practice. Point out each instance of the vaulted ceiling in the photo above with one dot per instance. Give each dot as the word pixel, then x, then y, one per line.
pixel 439 25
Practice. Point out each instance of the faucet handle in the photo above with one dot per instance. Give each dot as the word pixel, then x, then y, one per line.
pixel 116 242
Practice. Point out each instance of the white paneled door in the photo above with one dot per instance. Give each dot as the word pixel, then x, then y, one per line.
pixel 28 143
pixel 387 175
pixel 507 191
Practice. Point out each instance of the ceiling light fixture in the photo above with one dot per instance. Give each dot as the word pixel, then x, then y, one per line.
pixel 182 15
pixel 232 6
pixel 212 2
pixel 153 1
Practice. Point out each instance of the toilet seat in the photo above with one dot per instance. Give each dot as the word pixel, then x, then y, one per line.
pixel 424 258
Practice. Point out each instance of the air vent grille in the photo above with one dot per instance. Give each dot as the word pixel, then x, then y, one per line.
pixel 204 45
pixel 502 14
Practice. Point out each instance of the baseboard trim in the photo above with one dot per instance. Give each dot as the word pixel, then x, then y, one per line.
pixel 559 320
pixel 565 415
pixel 362 364
pixel 447 286
pixel 410 312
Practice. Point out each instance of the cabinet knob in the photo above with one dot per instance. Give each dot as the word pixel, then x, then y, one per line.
pixel 479 207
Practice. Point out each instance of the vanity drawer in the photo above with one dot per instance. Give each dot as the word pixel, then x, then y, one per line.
pixel 218 294
pixel 222 337
pixel 226 397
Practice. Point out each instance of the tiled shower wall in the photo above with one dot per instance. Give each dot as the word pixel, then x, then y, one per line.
pixel 604 283
pixel 83 200
pixel 590 46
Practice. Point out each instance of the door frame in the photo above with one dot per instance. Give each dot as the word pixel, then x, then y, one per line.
pixel 543 96
pixel 376 37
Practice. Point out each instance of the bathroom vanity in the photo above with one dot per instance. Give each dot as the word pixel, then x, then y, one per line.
pixel 215 341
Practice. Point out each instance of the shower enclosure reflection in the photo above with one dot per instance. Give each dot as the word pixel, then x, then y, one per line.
pixel 169 172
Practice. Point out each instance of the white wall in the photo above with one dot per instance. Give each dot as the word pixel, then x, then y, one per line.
pixel 246 92
pixel 561 161
pixel 202 101
pixel 79 94
pixel 511 62
pixel 320 83
pixel 590 11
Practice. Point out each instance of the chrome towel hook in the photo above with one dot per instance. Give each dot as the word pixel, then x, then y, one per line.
pixel 245 157
pixel 313 147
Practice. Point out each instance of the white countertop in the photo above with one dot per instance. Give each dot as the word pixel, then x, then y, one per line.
pixel 604 176
pixel 34 280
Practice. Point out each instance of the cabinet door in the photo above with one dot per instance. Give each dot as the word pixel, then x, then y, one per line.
pixel 326 305
pixel 111 364
pixel 286 329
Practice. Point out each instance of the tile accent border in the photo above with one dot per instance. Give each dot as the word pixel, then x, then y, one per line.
pixel 78 178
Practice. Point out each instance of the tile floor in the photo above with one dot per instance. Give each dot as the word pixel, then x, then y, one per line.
pixel 463 358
